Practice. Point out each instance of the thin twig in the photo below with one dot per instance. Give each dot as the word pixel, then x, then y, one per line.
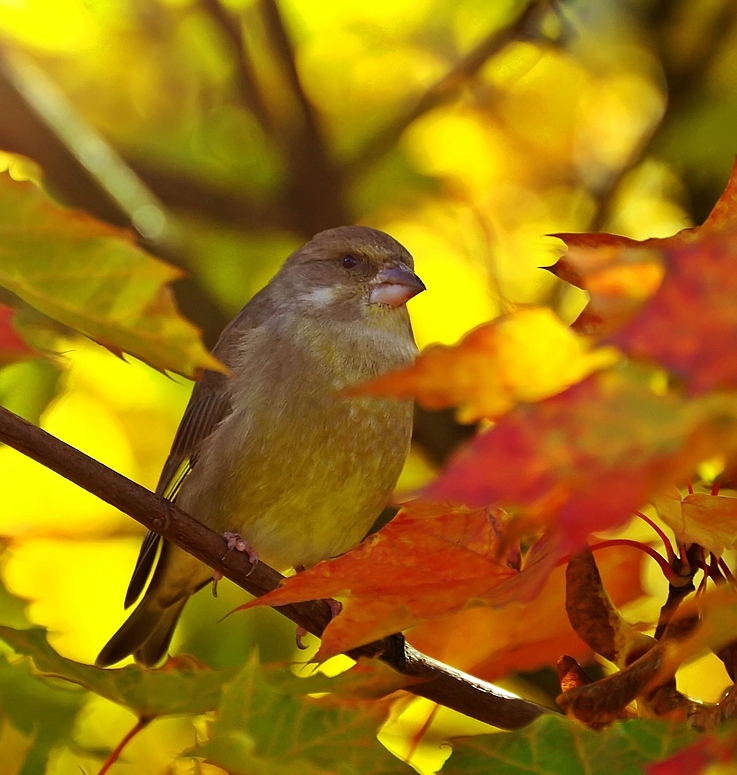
pixel 248 86
pixel 315 189
pixel 439 683
pixel 682 84
pixel 285 51
pixel 524 27
pixel 139 726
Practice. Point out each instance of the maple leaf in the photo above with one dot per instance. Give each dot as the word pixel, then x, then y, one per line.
pixel 94 278
pixel 585 459
pixel 620 273
pixel 267 726
pixel 12 346
pixel 523 356
pixel 553 744
pixel 430 560
pixel 699 518
pixel 690 324
pixel 489 642
pixel 668 300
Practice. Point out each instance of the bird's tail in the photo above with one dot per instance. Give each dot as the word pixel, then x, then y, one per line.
pixel 146 633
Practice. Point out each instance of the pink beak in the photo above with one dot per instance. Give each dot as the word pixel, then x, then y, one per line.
pixel 395 286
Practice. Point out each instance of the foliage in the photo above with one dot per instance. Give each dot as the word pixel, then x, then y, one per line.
pixel 184 149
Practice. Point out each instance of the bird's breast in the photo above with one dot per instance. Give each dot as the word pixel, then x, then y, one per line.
pixel 300 469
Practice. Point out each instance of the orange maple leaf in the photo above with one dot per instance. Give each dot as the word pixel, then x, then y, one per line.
pixel 689 322
pixel 430 560
pixel 523 356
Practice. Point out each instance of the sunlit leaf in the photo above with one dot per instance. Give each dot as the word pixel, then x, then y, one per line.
pixel 585 459
pixel 553 744
pixel 524 356
pixel 92 277
pixel 182 685
pixel 690 324
pixel 267 729
pixel 490 642
pixel 429 561
pixel 619 273
pixel 699 518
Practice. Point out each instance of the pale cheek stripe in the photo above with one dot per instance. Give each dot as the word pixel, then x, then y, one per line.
pixel 320 297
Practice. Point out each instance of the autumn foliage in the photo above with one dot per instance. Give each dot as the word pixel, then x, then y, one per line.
pixel 561 464
pixel 566 524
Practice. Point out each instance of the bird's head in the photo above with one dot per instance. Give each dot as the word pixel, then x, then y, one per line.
pixel 351 272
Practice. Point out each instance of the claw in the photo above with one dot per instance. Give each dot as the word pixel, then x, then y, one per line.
pixel 235 541
pixel 301 632
pixel 216 576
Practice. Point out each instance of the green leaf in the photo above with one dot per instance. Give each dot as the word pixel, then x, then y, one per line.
pixel 93 278
pixel 554 745
pixel 182 686
pixel 265 728
pixel 41 711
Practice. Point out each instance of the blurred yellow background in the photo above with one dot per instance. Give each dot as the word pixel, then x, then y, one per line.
pixel 602 116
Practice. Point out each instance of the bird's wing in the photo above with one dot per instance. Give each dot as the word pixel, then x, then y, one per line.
pixel 208 406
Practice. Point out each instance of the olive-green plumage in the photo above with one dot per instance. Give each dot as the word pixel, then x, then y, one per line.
pixel 275 451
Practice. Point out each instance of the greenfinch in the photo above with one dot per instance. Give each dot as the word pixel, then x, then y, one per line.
pixel 276 451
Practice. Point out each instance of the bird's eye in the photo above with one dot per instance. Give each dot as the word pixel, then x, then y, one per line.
pixel 348 262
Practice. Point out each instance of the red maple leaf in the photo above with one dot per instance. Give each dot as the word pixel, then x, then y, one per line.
pixel 585 459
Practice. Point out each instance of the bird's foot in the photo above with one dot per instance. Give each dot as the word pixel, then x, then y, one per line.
pixel 235 541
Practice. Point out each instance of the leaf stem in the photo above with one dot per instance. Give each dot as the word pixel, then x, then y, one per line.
pixel 139 726
pixel 668 572
pixel 663 537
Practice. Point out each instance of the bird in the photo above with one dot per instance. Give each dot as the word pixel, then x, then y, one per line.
pixel 276 452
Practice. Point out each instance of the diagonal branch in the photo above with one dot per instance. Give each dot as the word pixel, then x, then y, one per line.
pixel 439 683
pixel 525 26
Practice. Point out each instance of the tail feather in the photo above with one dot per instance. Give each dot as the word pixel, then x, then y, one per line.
pixel 146 634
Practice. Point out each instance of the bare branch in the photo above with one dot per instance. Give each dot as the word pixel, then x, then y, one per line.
pixel 524 27
pixel 246 80
pixel 315 190
pixel 440 683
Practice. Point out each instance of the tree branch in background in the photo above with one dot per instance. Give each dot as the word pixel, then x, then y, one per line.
pixel 525 27
pixel 684 82
pixel 439 683
pixel 315 191
pixel 37 121
pixel 245 75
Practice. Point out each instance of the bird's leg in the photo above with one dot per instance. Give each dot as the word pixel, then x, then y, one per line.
pixel 235 541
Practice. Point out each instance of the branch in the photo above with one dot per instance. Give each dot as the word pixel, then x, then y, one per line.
pixel 440 683
pixel 524 27
pixel 315 187
pixel 684 82
pixel 37 121
pixel 245 75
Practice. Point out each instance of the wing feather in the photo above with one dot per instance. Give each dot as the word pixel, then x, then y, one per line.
pixel 207 407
